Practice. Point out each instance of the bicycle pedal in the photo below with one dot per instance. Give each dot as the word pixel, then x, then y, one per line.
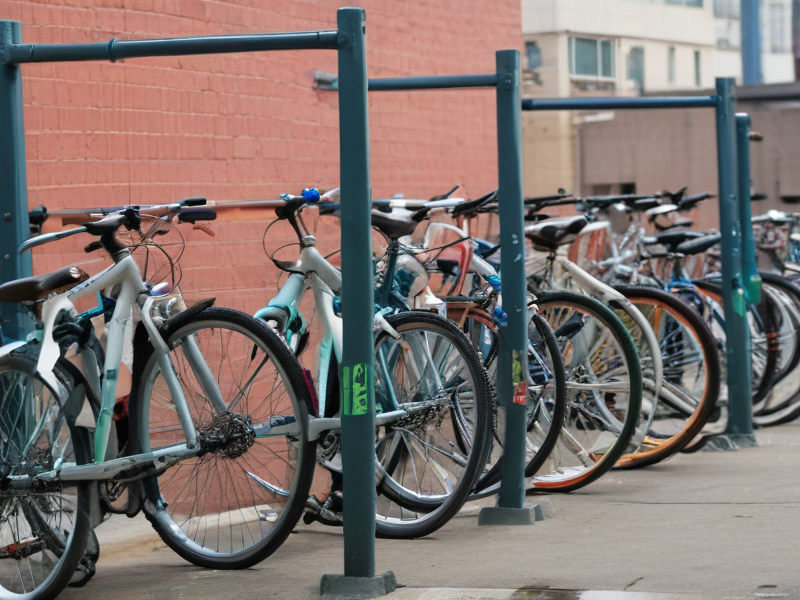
pixel 85 571
pixel 312 510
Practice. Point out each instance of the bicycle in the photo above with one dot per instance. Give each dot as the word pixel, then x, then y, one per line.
pixel 433 400
pixel 207 422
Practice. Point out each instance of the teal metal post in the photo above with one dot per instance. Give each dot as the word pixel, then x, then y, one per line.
pixel 736 329
pixel 750 276
pixel 357 386
pixel 14 226
pixel 513 359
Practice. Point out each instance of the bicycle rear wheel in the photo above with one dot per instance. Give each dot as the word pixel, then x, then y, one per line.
pixel 428 462
pixel 42 533
pixel 604 390
pixel 238 500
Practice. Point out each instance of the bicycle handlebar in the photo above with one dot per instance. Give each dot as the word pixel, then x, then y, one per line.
pixel 46 238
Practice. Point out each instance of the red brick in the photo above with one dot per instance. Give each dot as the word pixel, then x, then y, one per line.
pixel 245 126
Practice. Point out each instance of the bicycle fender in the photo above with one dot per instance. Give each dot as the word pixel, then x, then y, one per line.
pixel 178 320
pixel 51 351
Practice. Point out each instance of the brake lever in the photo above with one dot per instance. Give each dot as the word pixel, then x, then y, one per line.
pixel 205 229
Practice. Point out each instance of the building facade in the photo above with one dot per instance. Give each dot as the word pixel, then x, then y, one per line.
pixel 777 61
pixel 627 48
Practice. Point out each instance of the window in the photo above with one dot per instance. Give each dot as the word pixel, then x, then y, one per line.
pixel 591 58
pixel 636 66
pixel 534 55
pixel 697 79
pixel 726 9
pixel 671 68
pixel 777 29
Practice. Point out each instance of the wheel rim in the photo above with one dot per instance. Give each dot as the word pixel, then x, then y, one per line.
pixel 422 461
pixel 228 500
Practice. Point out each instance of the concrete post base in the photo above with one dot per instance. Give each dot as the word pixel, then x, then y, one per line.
pixel 341 587
pixel 730 441
pixel 497 515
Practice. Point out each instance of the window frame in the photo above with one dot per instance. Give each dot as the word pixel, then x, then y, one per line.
pixel 698 76
pixel 599 43
pixel 672 65
pixel 784 47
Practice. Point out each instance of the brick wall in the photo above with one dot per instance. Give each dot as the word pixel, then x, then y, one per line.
pixel 247 126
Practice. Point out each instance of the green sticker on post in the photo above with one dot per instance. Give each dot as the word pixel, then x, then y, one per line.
pixel 355 391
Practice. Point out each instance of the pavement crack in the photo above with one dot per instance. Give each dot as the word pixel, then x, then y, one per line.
pixel 632 583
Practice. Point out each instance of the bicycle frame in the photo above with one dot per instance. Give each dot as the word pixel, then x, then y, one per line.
pixel 124 274
pixel 314 271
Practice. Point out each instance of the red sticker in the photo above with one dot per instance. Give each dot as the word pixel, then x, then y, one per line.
pixel 521 393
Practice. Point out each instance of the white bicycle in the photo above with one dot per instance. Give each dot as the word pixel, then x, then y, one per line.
pixel 219 454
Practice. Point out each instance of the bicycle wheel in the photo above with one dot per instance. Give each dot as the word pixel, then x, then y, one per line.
pixel 691 375
pixel 788 295
pixel 547 392
pixel 784 388
pixel 428 462
pixel 238 500
pixel 604 390
pixel 43 533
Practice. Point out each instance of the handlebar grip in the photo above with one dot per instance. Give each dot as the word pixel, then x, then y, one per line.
pixel 195 201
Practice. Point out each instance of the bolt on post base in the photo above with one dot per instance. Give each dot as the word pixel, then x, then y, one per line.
pixel 730 441
pixel 342 587
pixel 497 515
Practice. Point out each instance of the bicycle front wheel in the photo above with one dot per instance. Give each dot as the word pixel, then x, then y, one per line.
pixel 238 500
pixel 604 390
pixel 429 461
pixel 691 375
pixel 547 393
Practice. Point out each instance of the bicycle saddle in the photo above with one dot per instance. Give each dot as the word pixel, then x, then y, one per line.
pixel 555 232
pixel 29 289
pixel 393 226
pixel 674 224
pixel 603 202
pixel 672 238
pixel 698 245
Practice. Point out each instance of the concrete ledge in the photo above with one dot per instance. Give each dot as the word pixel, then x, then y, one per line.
pixel 730 441
pixel 341 587
pixel 496 515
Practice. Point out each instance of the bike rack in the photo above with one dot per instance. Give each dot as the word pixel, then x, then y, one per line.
pixel 512 360
pixel 349 42
pixel 740 279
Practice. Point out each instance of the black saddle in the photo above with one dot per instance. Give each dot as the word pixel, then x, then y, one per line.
pixel 674 224
pixel 672 238
pixel 393 226
pixel 698 245
pixel 555 232
pixel 33 288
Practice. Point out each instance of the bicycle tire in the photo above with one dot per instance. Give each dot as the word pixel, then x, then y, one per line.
pixel 792 291
pixel 287 368
pixel 438 512
pixel 548 300
pixel 691 320
pixel 72 550
pixel 539 449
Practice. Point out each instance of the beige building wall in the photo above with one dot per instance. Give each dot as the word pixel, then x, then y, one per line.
pixel 669 149
pixel 551 149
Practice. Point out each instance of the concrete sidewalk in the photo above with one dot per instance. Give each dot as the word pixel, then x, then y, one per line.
pixel 706 525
